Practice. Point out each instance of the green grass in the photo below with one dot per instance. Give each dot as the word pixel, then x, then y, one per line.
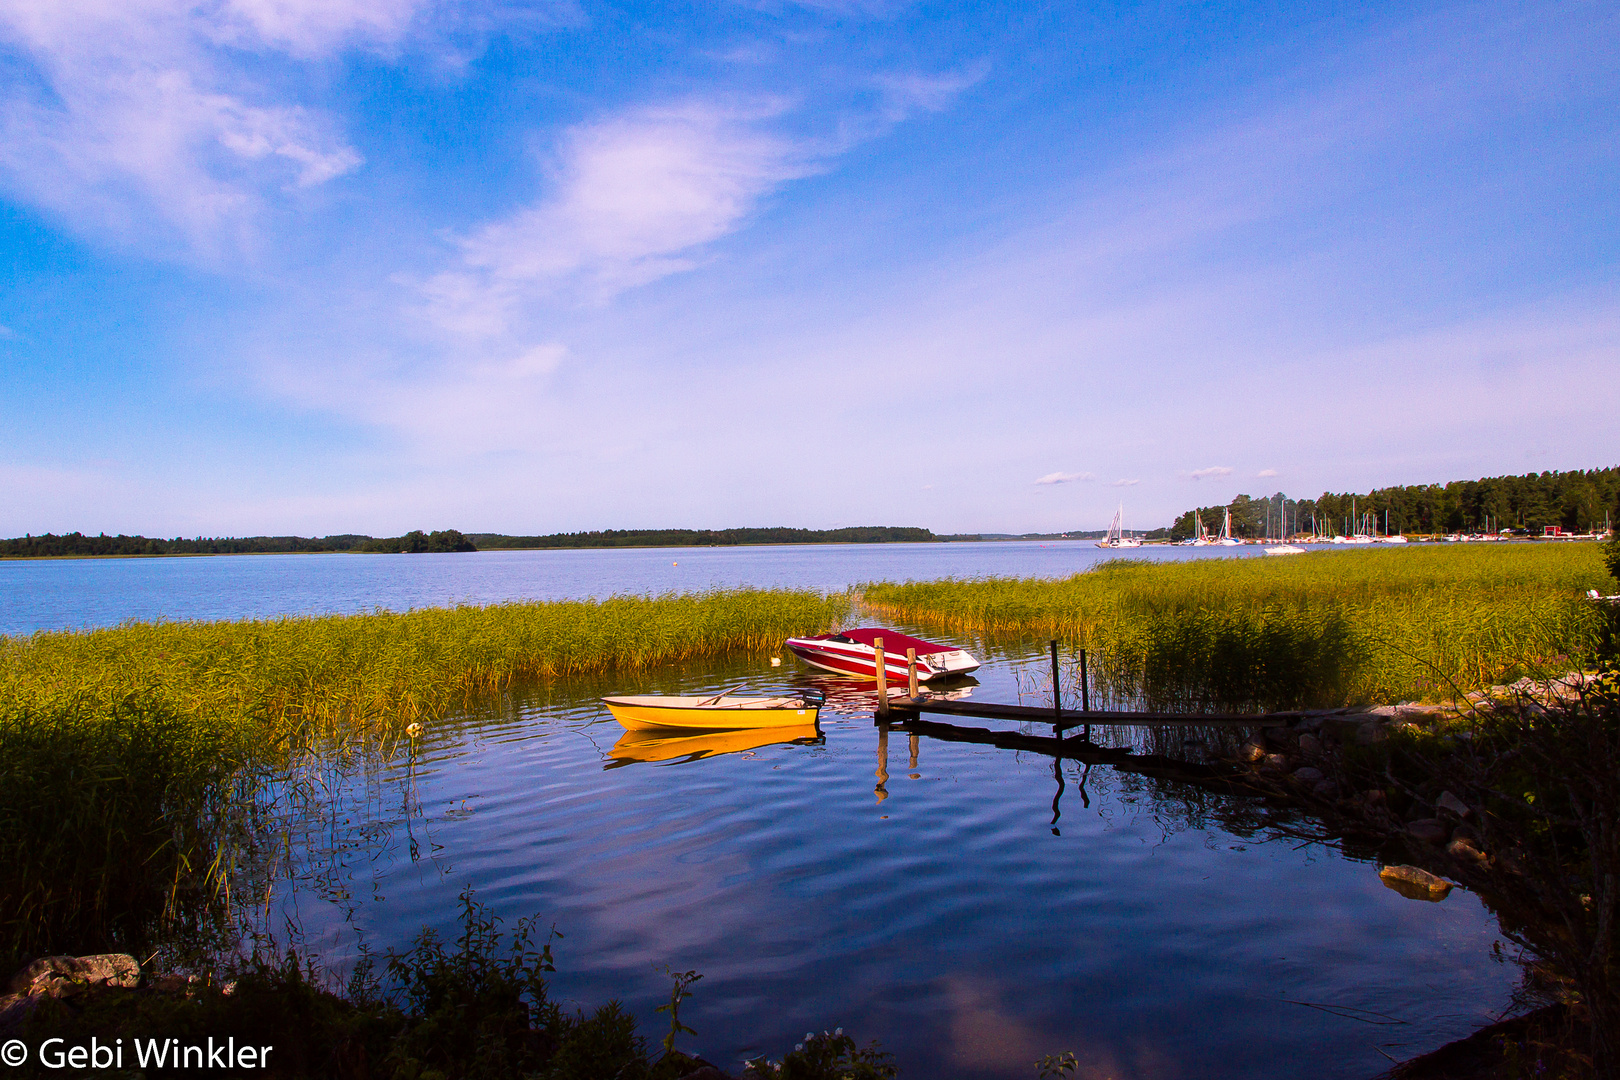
pixel 133 759
pixel 1315 629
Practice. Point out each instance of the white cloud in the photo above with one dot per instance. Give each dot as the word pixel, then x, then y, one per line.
pixel 1263 473
pixel 308 27
pixel 907 94
pixel 635 198
pixel 1064 477
pixel 1123 483
pixel 131 114
pixel 1213 470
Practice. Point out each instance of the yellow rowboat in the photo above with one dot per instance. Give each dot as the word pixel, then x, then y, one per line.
pixel 665 745
pixel 721 712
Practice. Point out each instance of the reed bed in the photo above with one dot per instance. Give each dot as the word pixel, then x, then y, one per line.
pixel 134 760
pixel 1323 628
pixel 344 674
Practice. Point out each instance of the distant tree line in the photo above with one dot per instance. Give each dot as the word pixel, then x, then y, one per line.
pixel 706 537
pixel 78 544
pixel 1577 501
pixel 443 540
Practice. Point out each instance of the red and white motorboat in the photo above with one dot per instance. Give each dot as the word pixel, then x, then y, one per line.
pixel 853 652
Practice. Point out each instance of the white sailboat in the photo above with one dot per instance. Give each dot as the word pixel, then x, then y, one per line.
pixel 1116 533
pixel 1201 540
pixel 1226 539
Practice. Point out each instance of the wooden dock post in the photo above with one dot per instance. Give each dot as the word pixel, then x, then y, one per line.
pixel 882 678
pixel 1085 692
pixel 911 672
pixel 1057 695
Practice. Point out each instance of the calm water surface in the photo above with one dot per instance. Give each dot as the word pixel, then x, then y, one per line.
pixel 53 594
pixel 1150 927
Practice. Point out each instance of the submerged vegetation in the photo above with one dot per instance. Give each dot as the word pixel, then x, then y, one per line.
pixel 1318 629
pixel 133 759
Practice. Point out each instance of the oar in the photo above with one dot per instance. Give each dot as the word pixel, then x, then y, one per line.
pixel 721 694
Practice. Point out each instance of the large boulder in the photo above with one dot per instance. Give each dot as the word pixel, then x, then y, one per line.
pixel 64 976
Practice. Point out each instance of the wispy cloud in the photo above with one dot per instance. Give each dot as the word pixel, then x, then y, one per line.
pixel 1213 470
pixel 1064 477
pixel 1263 473
pixel 635 197
pixel 124 115
pixel 1123 483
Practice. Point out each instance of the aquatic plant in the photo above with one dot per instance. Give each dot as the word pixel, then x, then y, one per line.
pixel 134 760
pixel 1316 629
pixel 475 1008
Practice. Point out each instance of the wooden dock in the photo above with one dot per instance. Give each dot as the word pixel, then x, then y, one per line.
pixel 1062 719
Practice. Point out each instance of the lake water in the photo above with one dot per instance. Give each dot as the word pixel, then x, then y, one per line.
pixel 54 594
pixel 1152 928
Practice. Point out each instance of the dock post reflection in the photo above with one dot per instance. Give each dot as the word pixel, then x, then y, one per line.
pixel 916 745
pixel 882 790
pixel 1057 798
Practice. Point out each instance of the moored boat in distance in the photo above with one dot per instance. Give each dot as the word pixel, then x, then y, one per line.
pixel 1116 537
pixel 719 712
pixel 853 652
pixel 1285 549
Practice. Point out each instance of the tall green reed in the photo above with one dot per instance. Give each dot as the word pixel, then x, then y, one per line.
pixel 135 760
pixel 1315 629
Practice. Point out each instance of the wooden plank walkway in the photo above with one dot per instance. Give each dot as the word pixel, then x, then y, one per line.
pixel 1064 719
pixel 1220 778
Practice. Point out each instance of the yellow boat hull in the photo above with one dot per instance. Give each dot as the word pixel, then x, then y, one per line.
pixel 650 712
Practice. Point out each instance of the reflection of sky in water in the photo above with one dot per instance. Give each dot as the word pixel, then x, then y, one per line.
pixel 947 920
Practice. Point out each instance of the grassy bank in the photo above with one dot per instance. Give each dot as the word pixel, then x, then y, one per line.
pixel 132 758
pixel 1321 628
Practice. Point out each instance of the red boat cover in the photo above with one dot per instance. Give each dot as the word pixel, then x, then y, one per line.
pixel 894 642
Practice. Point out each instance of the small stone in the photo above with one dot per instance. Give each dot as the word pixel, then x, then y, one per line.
pixel 1276 762
pixel 1326 789
pixel 1251 751
pixel 1415 883
pixel 1310 746
pixel 1374 797
pixel 1428 830
pixel 1308 775
pixel 1451 804
pixel 1279 735
pixel 1463 851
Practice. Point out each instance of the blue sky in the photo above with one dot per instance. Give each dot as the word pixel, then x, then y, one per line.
pixel 318 266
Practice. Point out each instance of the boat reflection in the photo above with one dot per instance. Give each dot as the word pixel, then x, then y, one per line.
pixel 861 694
pixel 671 745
